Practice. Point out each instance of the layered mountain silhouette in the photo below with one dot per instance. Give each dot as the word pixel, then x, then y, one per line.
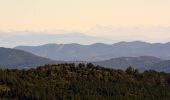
pixel 99 51
pixel 11 58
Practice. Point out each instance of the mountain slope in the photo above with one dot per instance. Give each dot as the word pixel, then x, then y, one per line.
pixel 99 51
pixel 161 66
pixel 12 58
pixel 141 63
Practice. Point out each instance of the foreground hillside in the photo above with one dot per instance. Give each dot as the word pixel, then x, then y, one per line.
pixel 12 58
pixel 83 82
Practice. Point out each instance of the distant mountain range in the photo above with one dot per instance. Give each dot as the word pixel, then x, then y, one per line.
pixel 141 55
pixel 11 58
pixel 99 51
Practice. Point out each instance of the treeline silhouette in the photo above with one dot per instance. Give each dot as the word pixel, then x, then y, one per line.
pixel 83 82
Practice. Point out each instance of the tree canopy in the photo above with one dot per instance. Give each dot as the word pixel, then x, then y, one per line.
pixel 83 82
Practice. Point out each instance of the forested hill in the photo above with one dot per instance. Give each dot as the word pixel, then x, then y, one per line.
pixel 83 82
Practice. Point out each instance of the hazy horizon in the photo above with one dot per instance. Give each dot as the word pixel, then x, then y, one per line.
pixel 97 34
pixel 35 22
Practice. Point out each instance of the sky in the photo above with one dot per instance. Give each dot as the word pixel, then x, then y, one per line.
pixel 105 18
